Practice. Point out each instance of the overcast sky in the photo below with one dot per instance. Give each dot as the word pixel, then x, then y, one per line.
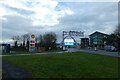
pixel 18 17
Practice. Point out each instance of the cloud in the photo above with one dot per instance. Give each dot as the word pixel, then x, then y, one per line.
pixel 36 16
pixel 91 17
pixel 88 0
pixel 40 12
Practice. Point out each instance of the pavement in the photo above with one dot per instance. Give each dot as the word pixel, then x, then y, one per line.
pixel 14 72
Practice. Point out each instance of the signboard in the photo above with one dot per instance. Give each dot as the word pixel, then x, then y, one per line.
pixel 74 33
pixel 32 43
pixel 68 40
pixel 68 43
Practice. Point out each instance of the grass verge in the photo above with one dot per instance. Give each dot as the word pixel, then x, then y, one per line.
pixel 67 65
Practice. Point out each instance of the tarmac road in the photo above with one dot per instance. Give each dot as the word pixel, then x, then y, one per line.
pixel 102 52
pixel 91 51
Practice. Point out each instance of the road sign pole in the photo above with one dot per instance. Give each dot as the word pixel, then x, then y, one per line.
pixel 32 43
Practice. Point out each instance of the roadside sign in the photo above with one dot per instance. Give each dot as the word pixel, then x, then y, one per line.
pixel 32 36
pixel 68 43
pixel 32 43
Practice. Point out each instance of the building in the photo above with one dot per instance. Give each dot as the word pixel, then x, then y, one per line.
pixel 97 39
pixel 84 42
pixel 5 48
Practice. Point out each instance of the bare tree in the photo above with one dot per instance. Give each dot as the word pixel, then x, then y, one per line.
pixel 41 41
pixel 25 39
pixel 16 39
pixel 117 33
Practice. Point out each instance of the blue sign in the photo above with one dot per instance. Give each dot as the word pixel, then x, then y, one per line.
pixel 68 43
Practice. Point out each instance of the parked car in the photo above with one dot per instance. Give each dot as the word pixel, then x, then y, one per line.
pixel 110 48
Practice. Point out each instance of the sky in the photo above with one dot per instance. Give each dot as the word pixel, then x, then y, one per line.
pixel 18 17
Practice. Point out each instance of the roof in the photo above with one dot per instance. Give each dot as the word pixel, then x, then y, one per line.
pixel 84 38
pixel 97 33
pixel 4 44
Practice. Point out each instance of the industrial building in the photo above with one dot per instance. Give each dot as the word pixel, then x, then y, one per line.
pixel 97 39
pixel 5 48
pixel 84 43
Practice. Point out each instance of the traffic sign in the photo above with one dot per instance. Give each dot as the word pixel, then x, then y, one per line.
pixel 32 43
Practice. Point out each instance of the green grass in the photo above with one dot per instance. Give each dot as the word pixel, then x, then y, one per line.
pixel 68 65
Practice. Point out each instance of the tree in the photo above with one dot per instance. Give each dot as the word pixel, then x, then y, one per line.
pixel 41 42
pixel 111 40
pixel 23 42
pixel 25 39
pixel 117 33
pixel 16 39
pixel 114 38
pixel 50 39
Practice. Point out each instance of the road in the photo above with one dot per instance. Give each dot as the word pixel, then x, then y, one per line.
pixel 61 52
pixel 102 52
pixel 91 51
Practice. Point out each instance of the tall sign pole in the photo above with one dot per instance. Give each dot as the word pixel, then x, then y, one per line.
pixel 32 43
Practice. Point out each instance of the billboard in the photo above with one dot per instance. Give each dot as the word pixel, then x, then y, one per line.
pixel 32 43
pixel 68 42
pixel 74 33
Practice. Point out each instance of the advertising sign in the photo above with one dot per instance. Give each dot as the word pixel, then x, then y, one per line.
pixel 33 36
pixel 32 43
pixel 76 33
pixel 68 42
